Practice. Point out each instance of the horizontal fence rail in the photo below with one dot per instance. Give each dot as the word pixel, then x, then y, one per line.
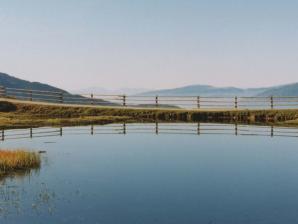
pixel 152 128
pixel 186 102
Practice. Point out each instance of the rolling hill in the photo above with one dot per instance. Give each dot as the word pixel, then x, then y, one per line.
pixel 284 90
pixel 13 82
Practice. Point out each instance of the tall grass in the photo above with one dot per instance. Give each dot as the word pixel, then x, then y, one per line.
pixel 14 160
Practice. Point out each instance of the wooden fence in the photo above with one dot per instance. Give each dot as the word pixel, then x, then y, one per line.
pixel 152 128
pixel 191 102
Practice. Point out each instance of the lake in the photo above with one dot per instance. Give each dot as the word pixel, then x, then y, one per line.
pixel 155 173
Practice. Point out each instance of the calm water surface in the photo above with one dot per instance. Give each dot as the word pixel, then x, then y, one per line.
pixel 147 178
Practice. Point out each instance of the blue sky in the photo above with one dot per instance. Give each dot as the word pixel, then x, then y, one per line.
pixel 149 43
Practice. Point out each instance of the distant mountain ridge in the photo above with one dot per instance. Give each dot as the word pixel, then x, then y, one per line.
pixel 206 90
pixel 192 90
pixel 13 82
pixel 284 90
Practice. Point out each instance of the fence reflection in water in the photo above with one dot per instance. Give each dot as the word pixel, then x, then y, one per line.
pixel 152 128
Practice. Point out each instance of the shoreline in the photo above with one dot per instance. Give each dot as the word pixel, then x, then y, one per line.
pixel 17 114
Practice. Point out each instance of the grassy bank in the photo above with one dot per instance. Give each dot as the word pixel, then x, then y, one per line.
pixel 22 114
pixel 13 120
pixel 17 160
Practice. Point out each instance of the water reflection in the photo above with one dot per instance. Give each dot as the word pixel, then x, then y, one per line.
pixel 153 128
pixel 13 194
pixel 44 200
pixel 155 173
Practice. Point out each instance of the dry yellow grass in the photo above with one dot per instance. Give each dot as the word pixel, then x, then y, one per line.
pixel 14 160
pixel 14 114
pixel 12 120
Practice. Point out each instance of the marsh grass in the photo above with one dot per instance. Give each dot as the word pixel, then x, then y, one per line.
pixel 16 160
pixel 24 114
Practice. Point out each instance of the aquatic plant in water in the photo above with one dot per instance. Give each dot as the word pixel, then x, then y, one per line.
pixel 15 160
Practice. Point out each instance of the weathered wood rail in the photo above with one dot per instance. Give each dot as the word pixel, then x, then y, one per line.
pixel 190 102
pixel 153 128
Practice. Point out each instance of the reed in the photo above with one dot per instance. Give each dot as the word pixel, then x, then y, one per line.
pixel 16 160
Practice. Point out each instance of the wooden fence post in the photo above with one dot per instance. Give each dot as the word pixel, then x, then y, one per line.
pixel 124 100
pixel 61 97
pixel 30 95
pixel 2 91
pixel 156 128
pixel 271 102
pixel 92 129
pixel 31 132
pixel 236 102
pixel 3 135
pixel 92 100
pixel 199 129
pixel 156 101
pixel 124 128
pixel 198 102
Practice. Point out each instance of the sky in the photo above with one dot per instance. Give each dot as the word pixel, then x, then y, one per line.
pixel 153 44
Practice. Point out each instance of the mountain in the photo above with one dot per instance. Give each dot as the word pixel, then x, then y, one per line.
pixel 284 90
pixel 192 90
pixel 101 90
pixel 206 90
pixel 13 82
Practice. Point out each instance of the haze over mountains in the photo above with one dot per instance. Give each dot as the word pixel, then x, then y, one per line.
pixel 192 90
pixel 206 90
pixel 101 90
pixel 284 90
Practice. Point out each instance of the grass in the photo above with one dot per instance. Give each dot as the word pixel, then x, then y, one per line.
pixel 26 114
pixel 291 122
pixel 17 160
pixel 14 120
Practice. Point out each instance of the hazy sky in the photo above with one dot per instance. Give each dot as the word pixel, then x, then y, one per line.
pixel 75 44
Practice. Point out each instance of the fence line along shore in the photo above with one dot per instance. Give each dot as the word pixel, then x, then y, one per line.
pixel 184 102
